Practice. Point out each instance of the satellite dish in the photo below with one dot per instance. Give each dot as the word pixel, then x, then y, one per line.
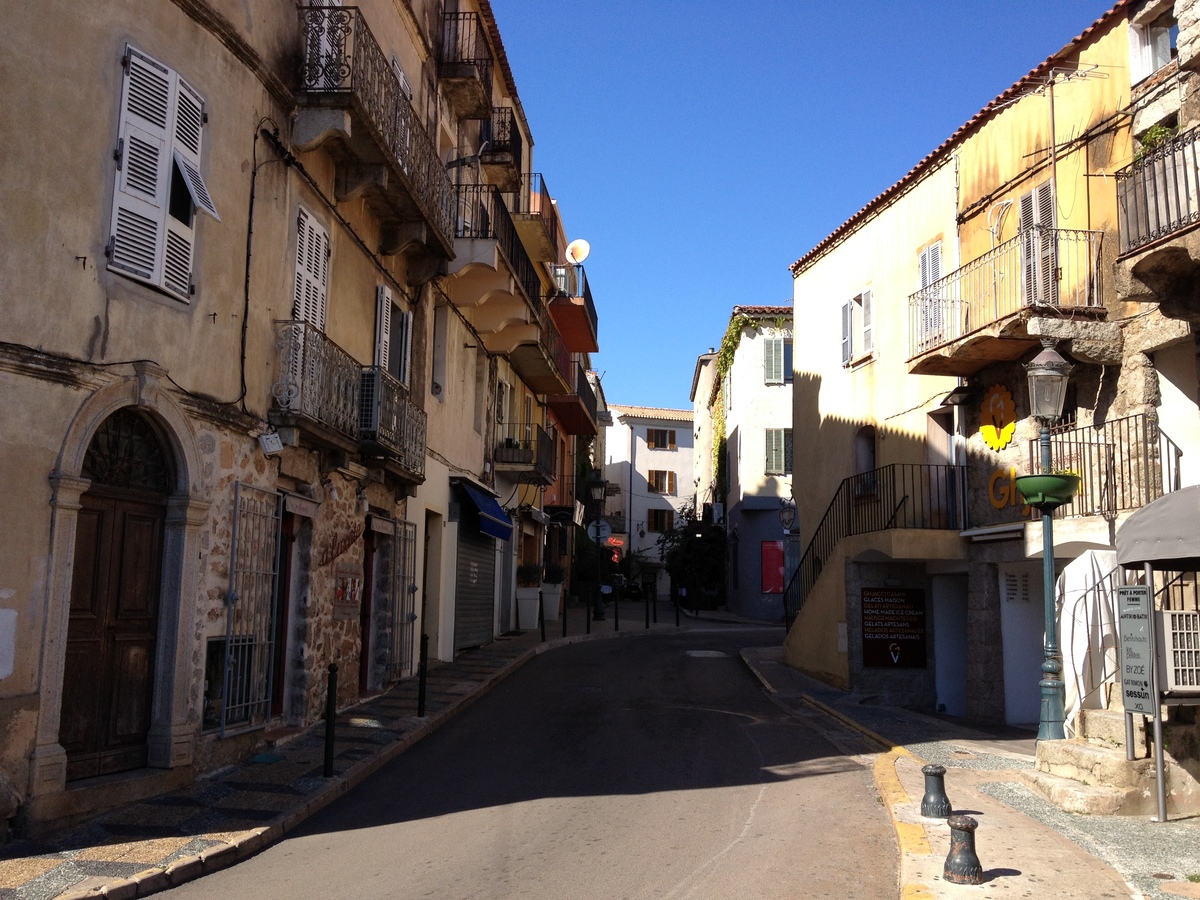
pixel 578 250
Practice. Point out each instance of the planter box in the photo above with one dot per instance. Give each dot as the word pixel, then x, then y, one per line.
pixel 527 608
pixel 551 600
pixel 1047 491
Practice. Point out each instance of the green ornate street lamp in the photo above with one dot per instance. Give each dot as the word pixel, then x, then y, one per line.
pixel 1048 373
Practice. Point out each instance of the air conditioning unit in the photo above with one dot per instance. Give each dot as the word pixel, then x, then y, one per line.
pixel 1179 649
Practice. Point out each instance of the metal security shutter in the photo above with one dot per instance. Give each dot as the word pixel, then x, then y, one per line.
pixel 475 585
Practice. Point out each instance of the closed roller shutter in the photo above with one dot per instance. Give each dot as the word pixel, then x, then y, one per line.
pixel 475 584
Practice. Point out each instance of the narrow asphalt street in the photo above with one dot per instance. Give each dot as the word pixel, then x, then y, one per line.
pixel 643 768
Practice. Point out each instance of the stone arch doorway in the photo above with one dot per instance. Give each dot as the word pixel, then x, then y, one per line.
pixel 116 586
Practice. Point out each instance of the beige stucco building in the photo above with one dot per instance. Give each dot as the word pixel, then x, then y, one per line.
pixel 292 346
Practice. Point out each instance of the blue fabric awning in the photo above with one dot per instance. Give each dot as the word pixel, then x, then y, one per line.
pixel 492 519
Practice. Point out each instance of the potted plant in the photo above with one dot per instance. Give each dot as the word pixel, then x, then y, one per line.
pixel 1048 490
pixel 552 578
pixel 529 585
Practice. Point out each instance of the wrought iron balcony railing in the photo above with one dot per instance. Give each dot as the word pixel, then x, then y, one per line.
pixel 483 215
pixel 895 496
pixel 343 60
pixel 316 379
pixel 1123 465
pixel 1040 267
pixel 532 200
pixel 465 56
pixel 1159 194
pixel 502 136
pixel 388 419
pixel 526 448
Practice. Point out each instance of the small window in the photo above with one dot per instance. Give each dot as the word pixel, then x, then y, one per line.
pixel 777 360
pixel 660 520
pixel 779 451
pixel 1152 46
pixel 661 482
pixel 393 335
pixel 660 438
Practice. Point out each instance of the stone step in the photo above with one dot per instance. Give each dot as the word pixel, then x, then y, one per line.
pixel 1088 799
pixel 1106 727
pixel 1091 763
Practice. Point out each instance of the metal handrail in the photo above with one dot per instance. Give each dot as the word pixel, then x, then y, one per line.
pixel 572 281
pixel 900 495
pixel 1123 464
pixel 533 198
pixel 526 444
pixel 1040 267
pixel 315 377
pixel 502 135
pixel 1159 193
pixel 342 57
pixel 464 43
pixel 389 418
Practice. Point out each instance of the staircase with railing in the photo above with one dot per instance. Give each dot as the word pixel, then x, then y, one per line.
pixel 894 496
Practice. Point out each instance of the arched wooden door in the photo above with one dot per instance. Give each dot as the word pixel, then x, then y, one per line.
pixel 108 681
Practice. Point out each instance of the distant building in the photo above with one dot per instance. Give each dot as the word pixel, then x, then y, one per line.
pixel 649 468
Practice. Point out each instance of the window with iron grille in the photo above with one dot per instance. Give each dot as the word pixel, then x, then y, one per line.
pixel 779 451
pixel 660 438
pixel 661 481
pixel 660 520
pixel 159 185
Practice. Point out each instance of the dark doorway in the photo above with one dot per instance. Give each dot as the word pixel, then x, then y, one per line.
pixel 108 681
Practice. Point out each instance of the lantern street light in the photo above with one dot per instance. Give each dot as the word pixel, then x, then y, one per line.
pixel 1047 374
pixel 596 489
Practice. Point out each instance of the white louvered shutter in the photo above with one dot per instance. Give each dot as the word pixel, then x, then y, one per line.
pixel 774 460
pixel 1036 210
pixel 312 271
pixel 404 320
pixel 383 327
pixel 773 360
pixel 933 316
pixel 141 196
pixel 847 338
pixel 868 337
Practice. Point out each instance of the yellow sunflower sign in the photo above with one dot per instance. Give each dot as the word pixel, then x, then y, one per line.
pixel 998 417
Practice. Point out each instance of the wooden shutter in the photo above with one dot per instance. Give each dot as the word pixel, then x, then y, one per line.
pixel 140 199
pixel 1038 256
pixel 847 340
pixel 774 458
pixel 773 360
pixel 670 482
pixel 933 316
pixel 383 327
pixel 650 439
pixel 671 439
pixel 312 271
pixel 868 338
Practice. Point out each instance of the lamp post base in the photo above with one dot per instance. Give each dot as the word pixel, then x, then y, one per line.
pixel 1050 725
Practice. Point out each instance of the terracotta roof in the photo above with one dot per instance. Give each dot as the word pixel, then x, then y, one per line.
pixel 762 310
pixel 943 150
pixel 653 412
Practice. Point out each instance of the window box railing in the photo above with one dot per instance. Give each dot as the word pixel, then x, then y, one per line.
pixel 483 215
pixel 1159 194
pixel 1122 465
pixel 532 200
pixel 389 420
pixel 1040 267
pixel 503 138
pixel 343 60
pixel 895 496
pixel 526 447
pixel 465 57
pixel 316 379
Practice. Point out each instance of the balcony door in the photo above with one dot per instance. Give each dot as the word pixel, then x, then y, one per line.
pixel 1039 247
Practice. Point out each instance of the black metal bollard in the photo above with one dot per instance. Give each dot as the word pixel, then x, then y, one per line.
pixel 962 865
pixel 616 610
pixel 542 615
pixel 422 673
pixel 676 611
pixel 935 804
pixel 647 611
pixel 566 605
pixel 330 719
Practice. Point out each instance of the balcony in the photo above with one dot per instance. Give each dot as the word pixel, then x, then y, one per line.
pixel 573 310
pixel 1123 465
pixel 542 360
pixel 525 451
pixel 465 65
pixel 576 412
pixel 317 386
pixel 390 426
pixel 1158 198
pixel 501 150
pixel 350 100
pixel 979 314
pixel 536 217
pixel 892 497
pixel 490 261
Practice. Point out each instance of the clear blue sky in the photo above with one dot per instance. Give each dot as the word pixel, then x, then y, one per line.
pixel 702 146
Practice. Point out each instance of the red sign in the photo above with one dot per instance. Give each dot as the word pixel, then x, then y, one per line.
pixel 772 567
pixel 615 542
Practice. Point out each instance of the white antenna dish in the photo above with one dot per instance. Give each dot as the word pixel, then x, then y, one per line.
pixel 578 250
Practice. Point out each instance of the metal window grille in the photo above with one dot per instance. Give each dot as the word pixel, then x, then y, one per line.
pixel 1181 630
pixel 251 606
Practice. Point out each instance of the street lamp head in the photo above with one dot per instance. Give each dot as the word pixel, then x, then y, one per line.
pixel 596 485
pixel 1047 373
